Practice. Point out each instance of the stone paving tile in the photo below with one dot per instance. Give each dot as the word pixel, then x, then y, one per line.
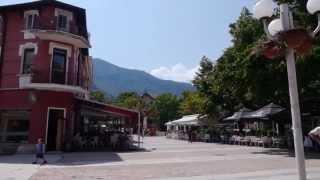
pixel 284 174
pixel 166 159
pixel 19 167
pixel 170 159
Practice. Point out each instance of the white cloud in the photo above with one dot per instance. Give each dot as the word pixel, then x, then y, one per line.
pixel 178 72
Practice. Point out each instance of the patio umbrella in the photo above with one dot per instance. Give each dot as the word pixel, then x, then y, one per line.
pixel 315 131
pixel 265 112
pixel 242 113
pixel 168 123
pixel 315 134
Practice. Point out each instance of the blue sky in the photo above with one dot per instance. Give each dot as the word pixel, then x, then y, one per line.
pixel 164 37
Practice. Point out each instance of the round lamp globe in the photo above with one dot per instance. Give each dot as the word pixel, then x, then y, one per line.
pixel 275 27
pixel 263 9
pixel 313 6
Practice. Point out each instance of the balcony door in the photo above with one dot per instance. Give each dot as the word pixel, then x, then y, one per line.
pixel 59 66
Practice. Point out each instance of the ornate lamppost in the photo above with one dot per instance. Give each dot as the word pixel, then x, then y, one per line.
pixel 282 30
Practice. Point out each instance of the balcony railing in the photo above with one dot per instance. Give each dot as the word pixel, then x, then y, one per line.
pixel 49 25
pixel 37 76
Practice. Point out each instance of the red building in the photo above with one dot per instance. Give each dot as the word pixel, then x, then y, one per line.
pixel 45 75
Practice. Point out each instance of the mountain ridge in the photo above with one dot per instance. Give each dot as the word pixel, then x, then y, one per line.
pixel 113 80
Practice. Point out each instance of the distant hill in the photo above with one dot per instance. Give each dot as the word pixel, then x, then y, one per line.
pixel 113 80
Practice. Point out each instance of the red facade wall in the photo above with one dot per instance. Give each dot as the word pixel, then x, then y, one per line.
pixel 11 66
pixel 11 59
pixel 20 100
pixel 39 113
pixel 13 98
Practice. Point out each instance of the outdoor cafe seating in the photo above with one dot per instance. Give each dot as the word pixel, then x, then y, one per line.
pixel 264 141
pixel 253 119
pixel 115 140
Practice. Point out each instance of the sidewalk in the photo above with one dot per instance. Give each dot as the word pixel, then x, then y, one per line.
pixel 285 174
pixel 20 167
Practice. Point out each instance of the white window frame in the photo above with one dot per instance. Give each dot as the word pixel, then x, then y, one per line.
pixel 33 13
pixel 66 13
pixel 22 49
pixel 68 49
pixel 48 113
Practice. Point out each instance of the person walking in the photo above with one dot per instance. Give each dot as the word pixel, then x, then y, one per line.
pixel 40 150
pixel 190 135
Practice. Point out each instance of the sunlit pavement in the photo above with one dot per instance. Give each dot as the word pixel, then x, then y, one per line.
pixel 20 167
pixel 178 160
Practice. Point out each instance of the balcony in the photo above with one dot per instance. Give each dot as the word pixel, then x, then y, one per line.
pixel 49 31
pixel 33 81
pixel 56 87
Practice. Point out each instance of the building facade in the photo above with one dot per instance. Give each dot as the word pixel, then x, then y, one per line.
pixel 46 73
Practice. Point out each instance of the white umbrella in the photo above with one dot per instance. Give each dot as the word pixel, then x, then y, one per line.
pixel 238 115
pixel 315 131
pixel 265 112
pixel 315 134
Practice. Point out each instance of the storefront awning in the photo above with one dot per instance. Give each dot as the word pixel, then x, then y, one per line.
pixel 95 108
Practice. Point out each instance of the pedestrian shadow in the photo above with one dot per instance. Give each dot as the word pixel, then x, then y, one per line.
pixel 26 158
pixel 70 158
pixel 287 153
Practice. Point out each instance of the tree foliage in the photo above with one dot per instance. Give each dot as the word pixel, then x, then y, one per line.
pixel 167 106
pixel 191 103
pixel 129 100
pixel 98 96
pixel 242 77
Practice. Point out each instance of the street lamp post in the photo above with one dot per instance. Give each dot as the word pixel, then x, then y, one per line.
pixel 139 128
pixel 265 9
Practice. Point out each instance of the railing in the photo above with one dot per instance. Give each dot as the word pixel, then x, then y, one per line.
pixel 52 25
pixel 37 77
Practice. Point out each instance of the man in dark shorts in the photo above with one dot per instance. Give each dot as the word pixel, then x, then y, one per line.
pixel 40 150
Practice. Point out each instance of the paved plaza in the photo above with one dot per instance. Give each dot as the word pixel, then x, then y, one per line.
pixel 164 159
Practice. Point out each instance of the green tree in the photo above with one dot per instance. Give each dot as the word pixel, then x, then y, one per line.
pixel 133 100
pixel 191 103
pixel 98 96
pixel 167 106
pixel 243 77
pixel 129 100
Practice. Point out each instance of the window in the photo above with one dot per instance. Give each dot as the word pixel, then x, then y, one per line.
pixel 14 126
pixel 59 66
pixel 27 60
pixel 18 125
pixel 62 22
pixel 30 21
